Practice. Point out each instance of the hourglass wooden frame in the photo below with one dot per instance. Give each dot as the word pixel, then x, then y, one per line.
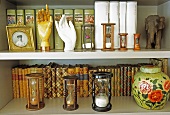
pixel 83 36
pixel 123 47
pixel 110 35
pixel 39 91
pixel 101 75
pixel 68 80
pixel 136 41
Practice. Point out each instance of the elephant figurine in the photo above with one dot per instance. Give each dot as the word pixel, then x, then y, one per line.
pixel 154 26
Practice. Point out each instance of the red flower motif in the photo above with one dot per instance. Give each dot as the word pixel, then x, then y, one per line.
pixel 167 85
pixel 155 96
pixel 145 87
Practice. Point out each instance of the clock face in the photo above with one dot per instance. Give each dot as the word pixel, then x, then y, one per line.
pixel 20 39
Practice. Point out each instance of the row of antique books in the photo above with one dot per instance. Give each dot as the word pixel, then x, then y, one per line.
pixel 54 73
pixel 28 17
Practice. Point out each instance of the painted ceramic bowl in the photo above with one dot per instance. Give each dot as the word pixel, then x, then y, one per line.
pixel 150 87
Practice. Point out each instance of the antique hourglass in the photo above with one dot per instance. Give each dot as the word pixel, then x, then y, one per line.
pixel 136 41
pixel 70 93
pixel 108 36
pixel 123 41
pixel 35 91
pixel 102 96
pixel 87 35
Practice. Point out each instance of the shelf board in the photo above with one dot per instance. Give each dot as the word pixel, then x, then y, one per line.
pixel 95 54
pixel 120 105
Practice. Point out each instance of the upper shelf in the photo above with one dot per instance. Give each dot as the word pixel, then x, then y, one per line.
pixel 78 2
pixel 96 54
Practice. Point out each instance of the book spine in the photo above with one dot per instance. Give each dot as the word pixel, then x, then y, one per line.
pixel 49 81
pixel 78 21
pixel 114 18
pixel 59 44
pixel 125 81
pixel 64 73
pixel 122 17
pixel 30 22
pixel 90 81
pixel 131 22
pixel 81 81
pixel 85 81
pixel 113 82
pixel 129 79
pixel 44 71
pixel 39 69
pixel 13 83
pixel 38 40
pixel 69 13
pixel 118 82
pixel 51 38
pixel 77 72
pixel 88 16
pixel 20 16
pixel 24 72
pixel 59 85
pixel 71 70
pixel 53 72
pixel 20 82
pixel 17 82
pixel 11 17
pixel 101 16
pixel 121 80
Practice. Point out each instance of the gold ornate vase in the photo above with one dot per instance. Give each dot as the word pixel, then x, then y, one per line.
pixel 151 87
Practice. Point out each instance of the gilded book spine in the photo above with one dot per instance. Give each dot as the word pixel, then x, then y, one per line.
pixel 20 82
pixel 53 73
pixel 115 82
pixel 14 83
pixel 64 73
pixel 85 81
pixel 121 80
pixel 44 71
pixel 125 81
pixel 77 72
pixel 71 70
pixel 59 85
pixel 129 78
pixel 39 69
pixel 24 72
pixel 113 88
pixel 49 80
pixel 81 81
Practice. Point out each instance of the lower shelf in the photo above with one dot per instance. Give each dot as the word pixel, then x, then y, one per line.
pixel 120 105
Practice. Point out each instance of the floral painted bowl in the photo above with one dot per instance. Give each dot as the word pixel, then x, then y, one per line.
pixel 150 87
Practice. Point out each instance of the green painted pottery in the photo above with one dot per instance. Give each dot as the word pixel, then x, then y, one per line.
pixel 150 87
